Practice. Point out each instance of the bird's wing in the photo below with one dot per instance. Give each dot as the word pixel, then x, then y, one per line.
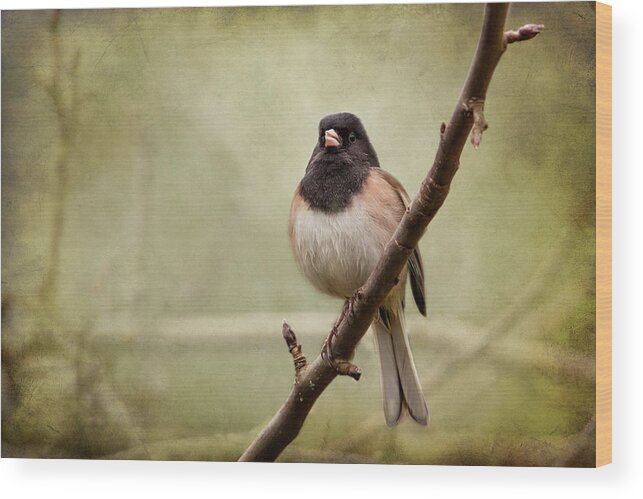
pixel 415 266
pixel 416 271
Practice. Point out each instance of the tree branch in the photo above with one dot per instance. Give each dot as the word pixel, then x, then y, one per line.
pixel 312 379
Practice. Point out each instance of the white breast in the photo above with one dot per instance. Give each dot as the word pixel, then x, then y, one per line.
pixel 337 251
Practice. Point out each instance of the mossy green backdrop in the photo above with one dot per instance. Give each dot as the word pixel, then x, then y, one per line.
pixel 145 260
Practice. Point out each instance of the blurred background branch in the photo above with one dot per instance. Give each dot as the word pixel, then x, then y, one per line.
pixel 99 421
pixel 62 88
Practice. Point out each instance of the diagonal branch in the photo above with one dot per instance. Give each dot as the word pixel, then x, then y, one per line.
pixel 312 379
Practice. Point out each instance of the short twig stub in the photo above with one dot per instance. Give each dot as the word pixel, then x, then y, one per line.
pixel 526 32
pixel 476 107
pixel 294 348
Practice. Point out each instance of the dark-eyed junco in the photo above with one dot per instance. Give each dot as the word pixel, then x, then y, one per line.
pixel 345 210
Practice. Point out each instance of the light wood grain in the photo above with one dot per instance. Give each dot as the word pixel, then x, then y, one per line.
pixel 603 234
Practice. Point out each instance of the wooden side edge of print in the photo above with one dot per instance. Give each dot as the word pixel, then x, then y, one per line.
pixel 603 234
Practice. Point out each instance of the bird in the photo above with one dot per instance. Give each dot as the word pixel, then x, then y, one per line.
pixel 344 211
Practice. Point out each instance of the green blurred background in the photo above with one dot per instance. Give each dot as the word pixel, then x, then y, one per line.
pixel 148 162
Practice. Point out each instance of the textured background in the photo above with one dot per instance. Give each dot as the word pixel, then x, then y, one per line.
pixel 143 294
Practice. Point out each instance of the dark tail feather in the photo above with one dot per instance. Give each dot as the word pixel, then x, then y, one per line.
pixel 391 387
pixel 400 382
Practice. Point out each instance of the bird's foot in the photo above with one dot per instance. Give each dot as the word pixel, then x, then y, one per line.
pixel 340 366
pixel 349 311
pixel 326 353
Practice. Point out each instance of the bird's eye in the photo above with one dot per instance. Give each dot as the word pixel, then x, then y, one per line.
pixel 352 137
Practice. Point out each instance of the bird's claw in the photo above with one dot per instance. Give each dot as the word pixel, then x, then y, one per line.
pixel 326 352
pixel 340 366
pixel 349 307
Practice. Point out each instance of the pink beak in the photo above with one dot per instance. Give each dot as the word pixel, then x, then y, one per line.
pixel 332 139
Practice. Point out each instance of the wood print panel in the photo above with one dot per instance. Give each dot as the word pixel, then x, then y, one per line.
pixel 149 158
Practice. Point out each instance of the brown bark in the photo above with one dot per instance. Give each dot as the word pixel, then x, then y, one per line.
pixel 468 116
